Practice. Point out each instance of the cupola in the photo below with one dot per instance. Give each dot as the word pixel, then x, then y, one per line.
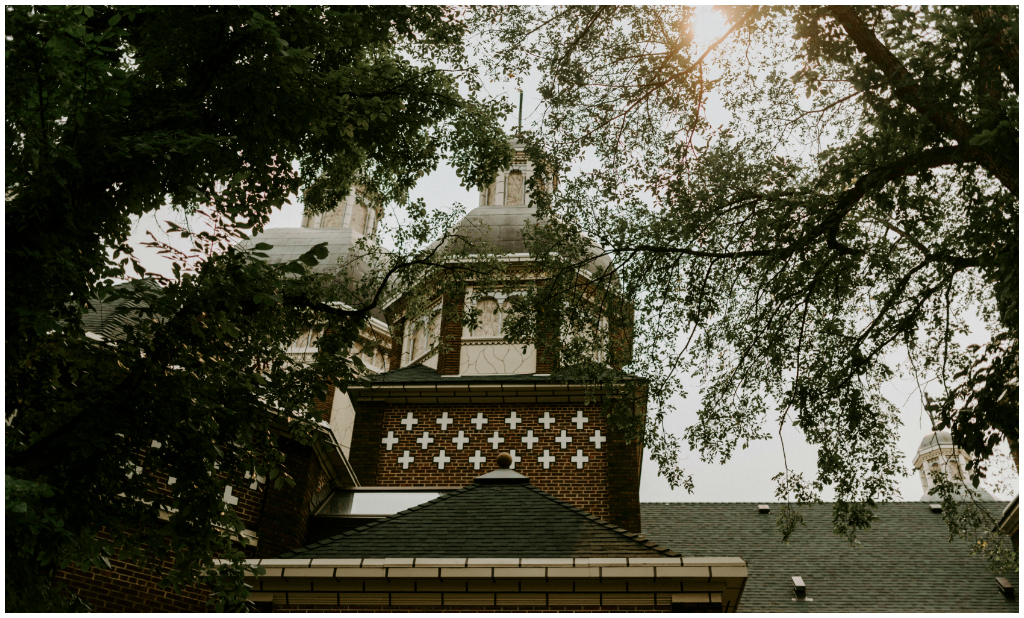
pixel 937 453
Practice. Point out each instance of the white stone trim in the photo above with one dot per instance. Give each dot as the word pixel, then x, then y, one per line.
pixel 526 568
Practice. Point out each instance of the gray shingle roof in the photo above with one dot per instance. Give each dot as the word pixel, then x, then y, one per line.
pixel 109 318
pixel 905 562
pixel 501 228
pixel 290 243
pixel 486 521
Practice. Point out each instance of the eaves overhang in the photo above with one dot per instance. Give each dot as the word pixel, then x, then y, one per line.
pixel 453 391
pixel 1008 522
pixel 528 583
pixel 327 450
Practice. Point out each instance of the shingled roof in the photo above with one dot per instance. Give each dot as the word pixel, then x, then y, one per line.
pixel 109 318
pixel 485 520
pixel 904 562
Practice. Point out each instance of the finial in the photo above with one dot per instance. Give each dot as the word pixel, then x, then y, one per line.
pixel 504 460
pixel 520 109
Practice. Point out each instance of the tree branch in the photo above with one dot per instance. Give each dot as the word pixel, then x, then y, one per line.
pixel 907 90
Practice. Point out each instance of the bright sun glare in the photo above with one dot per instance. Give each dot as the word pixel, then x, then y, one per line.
pixel 708 26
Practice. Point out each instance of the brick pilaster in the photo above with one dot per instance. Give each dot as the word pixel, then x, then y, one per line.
pixel 449 359
pixel 285 515
pixel 397 339
pixel 624 481
pixel 366 442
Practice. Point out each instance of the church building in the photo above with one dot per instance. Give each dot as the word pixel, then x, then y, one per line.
pixel 462 477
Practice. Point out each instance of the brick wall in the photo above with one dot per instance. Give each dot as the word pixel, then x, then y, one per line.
pixel 624 481
pixel 607 484
pixel 285 513
pixel 366 436
pixel 127 588
pixel 279 516
pixel 323 406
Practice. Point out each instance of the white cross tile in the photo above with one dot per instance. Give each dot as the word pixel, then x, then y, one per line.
pixel 425 440
pixel 495 440
pixel 547 459
pixel 390 441
pixel 529 439
pixel 441 460
pixel 515 459
pixel 479 421
pixel 228 498
pixel 563 439
pixel 444 421
pixel 598 439
pixel 405 460
pixel 579 419
pixel 579 459
pixel 461 440
pixel 476 460
pixel 513 420
pixel 546 420
pixel 409 421
pixel 255 481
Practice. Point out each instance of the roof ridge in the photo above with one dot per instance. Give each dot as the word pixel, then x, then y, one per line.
pixel 632 536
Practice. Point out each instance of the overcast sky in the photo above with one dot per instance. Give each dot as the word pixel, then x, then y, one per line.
pixel 747 477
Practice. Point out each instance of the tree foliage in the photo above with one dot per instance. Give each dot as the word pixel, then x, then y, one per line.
pixel 855 210
pixel 113 112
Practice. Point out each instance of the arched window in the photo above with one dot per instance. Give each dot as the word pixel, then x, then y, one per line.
pixel 490 318
pixel 435 327
pixel 954 469
pixel 418 341
pixel 514 190
pixel 359 217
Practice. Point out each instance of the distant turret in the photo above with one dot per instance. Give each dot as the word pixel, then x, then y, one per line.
pixel 354 212
pixel 937 453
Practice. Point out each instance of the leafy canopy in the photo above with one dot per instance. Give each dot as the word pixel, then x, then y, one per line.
pixel 841 227
pixel 113 112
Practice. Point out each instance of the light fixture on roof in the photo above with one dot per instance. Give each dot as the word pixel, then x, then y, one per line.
pixel 1005 587
pixel 936 508
pixel 764 509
